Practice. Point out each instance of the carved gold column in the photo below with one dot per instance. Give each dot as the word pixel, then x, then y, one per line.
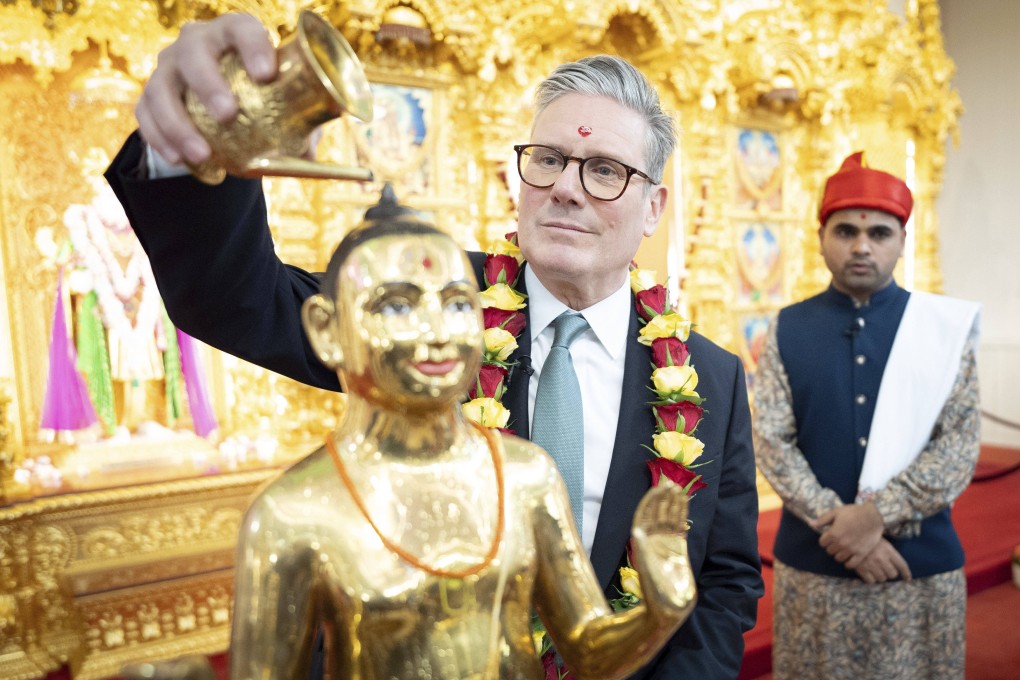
pixel 927 270
pixel 709 287
pixel 493 122
pixel 805 266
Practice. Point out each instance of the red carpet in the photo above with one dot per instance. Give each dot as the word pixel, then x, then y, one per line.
pixel 987 517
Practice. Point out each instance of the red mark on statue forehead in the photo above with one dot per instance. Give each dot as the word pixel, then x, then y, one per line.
pixel 584 130
pixel 426 262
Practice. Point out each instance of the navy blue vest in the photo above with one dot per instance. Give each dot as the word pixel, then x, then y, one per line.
pixel 834 354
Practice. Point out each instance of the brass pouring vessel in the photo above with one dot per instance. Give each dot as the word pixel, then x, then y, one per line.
pixel 319 79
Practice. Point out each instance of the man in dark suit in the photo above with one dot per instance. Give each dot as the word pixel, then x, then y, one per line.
pixel 603 140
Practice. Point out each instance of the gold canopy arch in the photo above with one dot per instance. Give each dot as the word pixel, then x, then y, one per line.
pixel 769 96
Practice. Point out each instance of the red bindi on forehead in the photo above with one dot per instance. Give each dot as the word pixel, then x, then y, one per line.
pixel 426 262
pixel 584 130
pixel 864 216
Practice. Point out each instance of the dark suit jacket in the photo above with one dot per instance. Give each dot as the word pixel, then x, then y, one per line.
pixel 213 257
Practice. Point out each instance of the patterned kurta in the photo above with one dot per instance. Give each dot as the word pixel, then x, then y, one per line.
pixel 841 627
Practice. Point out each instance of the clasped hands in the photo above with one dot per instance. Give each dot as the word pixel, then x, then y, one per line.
pixel 853 535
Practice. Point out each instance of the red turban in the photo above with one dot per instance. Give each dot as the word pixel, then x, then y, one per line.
pixel 857 186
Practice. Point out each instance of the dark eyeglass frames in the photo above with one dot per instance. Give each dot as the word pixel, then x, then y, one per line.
pixel 602 178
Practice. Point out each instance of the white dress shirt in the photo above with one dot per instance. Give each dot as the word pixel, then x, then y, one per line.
pixel 159 168
pixel 598 358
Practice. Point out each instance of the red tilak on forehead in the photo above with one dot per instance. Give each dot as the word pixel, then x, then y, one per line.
pixel 426 262
pixel 584 130
pixel 864 216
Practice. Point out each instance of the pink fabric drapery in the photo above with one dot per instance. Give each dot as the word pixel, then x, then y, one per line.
pixel 202 416
pixel 67 405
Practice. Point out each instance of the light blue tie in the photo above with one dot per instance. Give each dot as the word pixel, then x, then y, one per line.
pixel 558 422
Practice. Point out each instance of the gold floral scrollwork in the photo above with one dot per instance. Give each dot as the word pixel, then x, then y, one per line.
pixel 827 78
pixel 50 8
pixel 218 604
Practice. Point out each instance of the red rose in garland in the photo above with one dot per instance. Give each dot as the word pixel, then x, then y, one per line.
pixel 490 383
pixel 670 414
pixel 501 269
pixel 651 302
pixel 509 320
pixel 676 473
pixel 669 352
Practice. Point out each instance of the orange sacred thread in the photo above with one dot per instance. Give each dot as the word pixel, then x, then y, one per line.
pixel 497 463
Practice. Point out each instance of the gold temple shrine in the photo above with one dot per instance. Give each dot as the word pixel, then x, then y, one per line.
pixel 117 547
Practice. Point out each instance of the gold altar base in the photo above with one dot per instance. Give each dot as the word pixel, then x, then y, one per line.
pixel 100 578
pixel 106 465
pixel 155 621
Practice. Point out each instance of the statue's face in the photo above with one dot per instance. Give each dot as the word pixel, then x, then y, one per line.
pixel 412 325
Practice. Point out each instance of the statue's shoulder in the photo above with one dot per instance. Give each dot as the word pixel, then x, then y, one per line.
pixel 527 458
pixel 292 482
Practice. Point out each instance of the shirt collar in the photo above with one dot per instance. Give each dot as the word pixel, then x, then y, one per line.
pixel 878 298
pixel 604 317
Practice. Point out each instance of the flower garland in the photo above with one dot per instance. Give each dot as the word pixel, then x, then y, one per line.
pixel 676 406
pixel 504 321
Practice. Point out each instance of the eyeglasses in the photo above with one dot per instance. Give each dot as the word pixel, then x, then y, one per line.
pixel 602 178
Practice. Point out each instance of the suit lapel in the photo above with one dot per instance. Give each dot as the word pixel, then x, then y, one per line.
pixel 628 478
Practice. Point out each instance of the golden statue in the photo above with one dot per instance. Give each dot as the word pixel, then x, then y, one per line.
pixel 417 545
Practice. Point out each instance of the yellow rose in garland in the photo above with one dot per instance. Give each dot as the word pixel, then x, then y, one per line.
pixel 671 325
pixel 499 344
pixel 676 381
pixel 677 446
pixel 487 412
pixel 502 296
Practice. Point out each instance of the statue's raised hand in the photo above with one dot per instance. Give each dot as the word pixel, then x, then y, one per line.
pixel 659 540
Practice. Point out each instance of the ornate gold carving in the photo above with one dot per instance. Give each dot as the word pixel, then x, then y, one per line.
pixel 105 577
pixel 827 76
pixel 169 620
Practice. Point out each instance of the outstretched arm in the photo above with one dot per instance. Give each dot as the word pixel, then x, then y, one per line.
pixel 595 641
pixel 210 247
pixel 216 266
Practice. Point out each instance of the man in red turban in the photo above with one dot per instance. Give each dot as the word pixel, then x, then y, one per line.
pixel 860 201
pixel 858 186
pixel 866 424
